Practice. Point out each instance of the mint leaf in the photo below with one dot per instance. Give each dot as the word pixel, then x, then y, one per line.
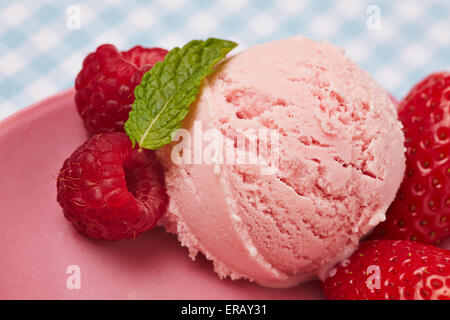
pixel 166 91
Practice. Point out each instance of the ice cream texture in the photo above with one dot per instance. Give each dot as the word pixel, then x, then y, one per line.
pixel 341 163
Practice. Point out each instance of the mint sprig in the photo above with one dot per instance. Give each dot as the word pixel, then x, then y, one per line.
pixel 163 97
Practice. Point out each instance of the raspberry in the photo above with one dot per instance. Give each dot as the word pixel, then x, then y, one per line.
pixel 105 85
pixel 111 191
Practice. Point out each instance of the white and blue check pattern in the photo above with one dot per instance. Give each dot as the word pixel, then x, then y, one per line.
pixel 40 55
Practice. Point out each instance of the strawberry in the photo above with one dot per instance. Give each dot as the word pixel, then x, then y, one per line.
pixel 421 209
pixel 391 270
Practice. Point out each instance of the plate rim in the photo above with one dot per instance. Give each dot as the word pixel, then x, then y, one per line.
pixel 32 108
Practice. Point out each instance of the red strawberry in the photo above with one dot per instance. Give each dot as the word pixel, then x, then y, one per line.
pixel 105 85
pixel 421 209
pixel 111 191
pixel 404 269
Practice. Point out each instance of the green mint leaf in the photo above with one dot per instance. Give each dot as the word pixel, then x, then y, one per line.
pixel 166 91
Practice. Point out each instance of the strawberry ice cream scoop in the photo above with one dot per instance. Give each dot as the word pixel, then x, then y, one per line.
pixel 341 161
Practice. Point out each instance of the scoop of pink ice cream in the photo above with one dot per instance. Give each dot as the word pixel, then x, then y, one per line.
pixel 341 160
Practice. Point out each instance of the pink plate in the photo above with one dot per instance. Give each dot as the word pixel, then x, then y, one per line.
pixel 37 244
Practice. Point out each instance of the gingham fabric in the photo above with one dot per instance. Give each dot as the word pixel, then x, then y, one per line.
pixel 42 43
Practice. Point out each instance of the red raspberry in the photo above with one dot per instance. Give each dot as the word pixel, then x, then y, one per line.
pixel 105 85
pixel 421 209
pixel 109 190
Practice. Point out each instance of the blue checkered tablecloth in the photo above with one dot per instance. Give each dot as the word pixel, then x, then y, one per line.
pixel 42 43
